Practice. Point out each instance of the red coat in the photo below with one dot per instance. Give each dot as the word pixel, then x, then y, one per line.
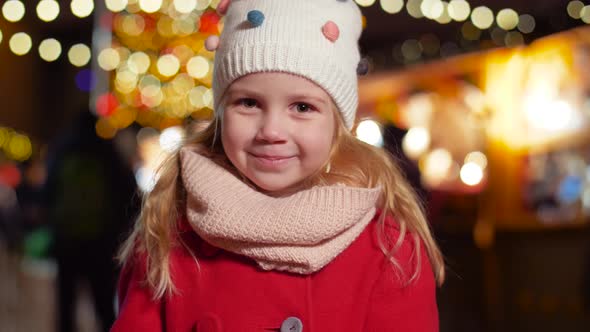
pixel 357 291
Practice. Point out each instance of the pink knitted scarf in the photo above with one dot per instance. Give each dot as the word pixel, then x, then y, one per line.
pixel 300 233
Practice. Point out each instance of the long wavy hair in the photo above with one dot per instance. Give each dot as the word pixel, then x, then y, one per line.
pixel 352 162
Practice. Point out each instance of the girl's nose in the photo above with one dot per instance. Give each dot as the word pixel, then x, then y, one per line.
pixel 272 128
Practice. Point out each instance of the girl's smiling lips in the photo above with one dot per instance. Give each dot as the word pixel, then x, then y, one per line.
pixel 271 161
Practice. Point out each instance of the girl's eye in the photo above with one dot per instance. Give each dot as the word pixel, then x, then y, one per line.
pixel 248 102
pixel 303 108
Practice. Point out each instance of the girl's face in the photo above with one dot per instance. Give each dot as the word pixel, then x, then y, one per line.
pixel 277 129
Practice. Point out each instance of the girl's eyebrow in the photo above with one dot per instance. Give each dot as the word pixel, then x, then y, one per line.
pixel 296 96
pixel 309 97
pixel 246 92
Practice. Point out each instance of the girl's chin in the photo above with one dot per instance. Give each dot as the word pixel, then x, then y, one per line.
pixel 276 189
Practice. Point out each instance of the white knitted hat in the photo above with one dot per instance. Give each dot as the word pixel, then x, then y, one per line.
pixel 316 39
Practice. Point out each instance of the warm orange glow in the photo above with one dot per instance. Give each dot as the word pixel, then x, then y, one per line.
pixel 541 101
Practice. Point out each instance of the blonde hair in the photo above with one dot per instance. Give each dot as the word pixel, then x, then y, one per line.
pixel 352 162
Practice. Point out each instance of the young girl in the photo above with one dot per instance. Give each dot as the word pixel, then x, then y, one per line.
pixel 274 217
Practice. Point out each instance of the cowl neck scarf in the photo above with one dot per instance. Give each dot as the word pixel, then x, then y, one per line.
pixel 300 233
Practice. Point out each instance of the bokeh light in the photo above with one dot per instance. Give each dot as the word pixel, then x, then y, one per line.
pixel 82 8
pixel 416 142
pixel 149 83
pixel 507 19
pixel 79 55
pixel 471 174
pixel 459 10
pixel 475 99
pixel 132 25
pixel 133 6
pixel 514 39
pixel 482 17
pixel 442 14
pixel 146 179
pixel 171 138
pixel 369 132
pixel 104 129
pixel 10 177
pixel 470 31
pixel 182 84
pixel 116 5
pixel 109 59
pixel 20 43
pixel 449 49
pixel 164 26
pixel 146 135
pixel 4 136
pixel 85 80
pixel 198 67
pixel 418 110
pixel 574 9
pixel 392 6
pixel 47 10
pixel 150 6
pixel 431 8
pixel 436 166
pixel 0 36
pixel 124 53
pixel 19 147
pixel 184 25
pixel 139 62
pixel 551 115
pixel 413 8
pixel 50 49
pixel 123 117
pixel 411 50
pixel 168 65
pixel 478 158
pixel 13 10
pixel 183 53
pixel 203 4
pixel 125 80
pixel 365 3
pixel 152 96
pixel 106 104
pixel 526 23
pixel 185 6
pixel 196 97
pixel 585 14
pixel 498 36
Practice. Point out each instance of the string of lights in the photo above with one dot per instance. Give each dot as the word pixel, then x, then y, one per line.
pixel 478 18
pixel 461 10
pixel 445 12
pixel 159 71
pixel 479 28
pixel 50 49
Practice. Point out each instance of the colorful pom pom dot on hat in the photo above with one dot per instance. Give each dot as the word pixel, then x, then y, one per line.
pixel 212 43
pixel 331 31
pixel 222 7
pixel 255 17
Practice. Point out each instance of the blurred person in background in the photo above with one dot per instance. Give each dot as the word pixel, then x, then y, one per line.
pixel 88 193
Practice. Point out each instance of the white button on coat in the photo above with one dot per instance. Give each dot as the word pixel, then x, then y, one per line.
pixel 292 324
